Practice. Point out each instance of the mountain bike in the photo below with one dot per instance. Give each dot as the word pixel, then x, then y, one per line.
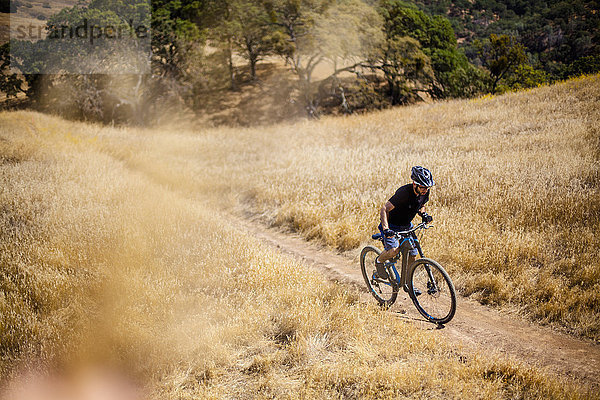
pixel 425 280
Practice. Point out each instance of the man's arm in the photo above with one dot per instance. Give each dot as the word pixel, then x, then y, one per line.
pixel 383 214
pixel 426 217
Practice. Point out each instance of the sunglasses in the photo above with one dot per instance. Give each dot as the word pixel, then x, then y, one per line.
pixel 423 187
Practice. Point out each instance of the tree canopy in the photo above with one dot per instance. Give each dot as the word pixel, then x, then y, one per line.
pixel 398 51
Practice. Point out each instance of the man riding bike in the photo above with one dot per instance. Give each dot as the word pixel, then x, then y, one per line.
pixel 398 212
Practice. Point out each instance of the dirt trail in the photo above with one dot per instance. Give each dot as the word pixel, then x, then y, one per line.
pixel 474 326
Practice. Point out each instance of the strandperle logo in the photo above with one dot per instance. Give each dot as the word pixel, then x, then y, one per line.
pixel 84 30
pixel 91 37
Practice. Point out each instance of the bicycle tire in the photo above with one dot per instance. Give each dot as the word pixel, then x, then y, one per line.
pixel 436 302
pixel 385 292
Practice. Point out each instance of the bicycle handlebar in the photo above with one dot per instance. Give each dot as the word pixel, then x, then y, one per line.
pixel 422 225
pixel 400 235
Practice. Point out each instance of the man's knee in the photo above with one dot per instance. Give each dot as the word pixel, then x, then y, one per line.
pixel 392 252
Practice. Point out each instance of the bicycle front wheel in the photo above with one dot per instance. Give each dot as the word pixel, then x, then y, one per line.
pixel 382 289
pixel 432 291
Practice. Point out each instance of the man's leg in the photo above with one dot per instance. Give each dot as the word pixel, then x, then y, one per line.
pixel 391 247
pixel 387 254
pixel 383 257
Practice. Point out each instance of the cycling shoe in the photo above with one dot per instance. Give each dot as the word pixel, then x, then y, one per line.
pixel 381 272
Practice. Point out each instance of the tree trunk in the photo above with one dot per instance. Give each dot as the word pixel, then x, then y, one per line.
pixel 233 85
pixel 253 68
pixel 253 55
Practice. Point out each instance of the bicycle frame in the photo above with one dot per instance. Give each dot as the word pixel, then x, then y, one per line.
pixel 425 280
pixel 408 242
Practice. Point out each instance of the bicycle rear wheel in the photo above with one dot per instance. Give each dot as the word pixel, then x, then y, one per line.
pixel 384 291
pixel 432 291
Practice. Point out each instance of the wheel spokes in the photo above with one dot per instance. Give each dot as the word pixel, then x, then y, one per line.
pixel 384 290
pixel 436 299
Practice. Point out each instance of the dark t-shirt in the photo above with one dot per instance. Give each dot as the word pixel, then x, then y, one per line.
pixel 406 204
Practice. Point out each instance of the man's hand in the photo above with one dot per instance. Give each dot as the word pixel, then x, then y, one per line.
pixel 388 233
pixel 426 217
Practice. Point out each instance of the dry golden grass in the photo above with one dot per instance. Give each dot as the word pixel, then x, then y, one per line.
pixel 516 205
pixel 114 248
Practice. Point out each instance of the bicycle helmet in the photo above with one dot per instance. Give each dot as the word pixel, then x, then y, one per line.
pixel 422 176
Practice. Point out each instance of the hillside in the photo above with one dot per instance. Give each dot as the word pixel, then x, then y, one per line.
pixel 555 33
pixel 121 247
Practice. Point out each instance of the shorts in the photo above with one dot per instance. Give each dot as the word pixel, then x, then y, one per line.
pixel 392 242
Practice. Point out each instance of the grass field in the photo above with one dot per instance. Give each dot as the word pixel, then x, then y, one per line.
pixel 118 246
pixel 516 206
